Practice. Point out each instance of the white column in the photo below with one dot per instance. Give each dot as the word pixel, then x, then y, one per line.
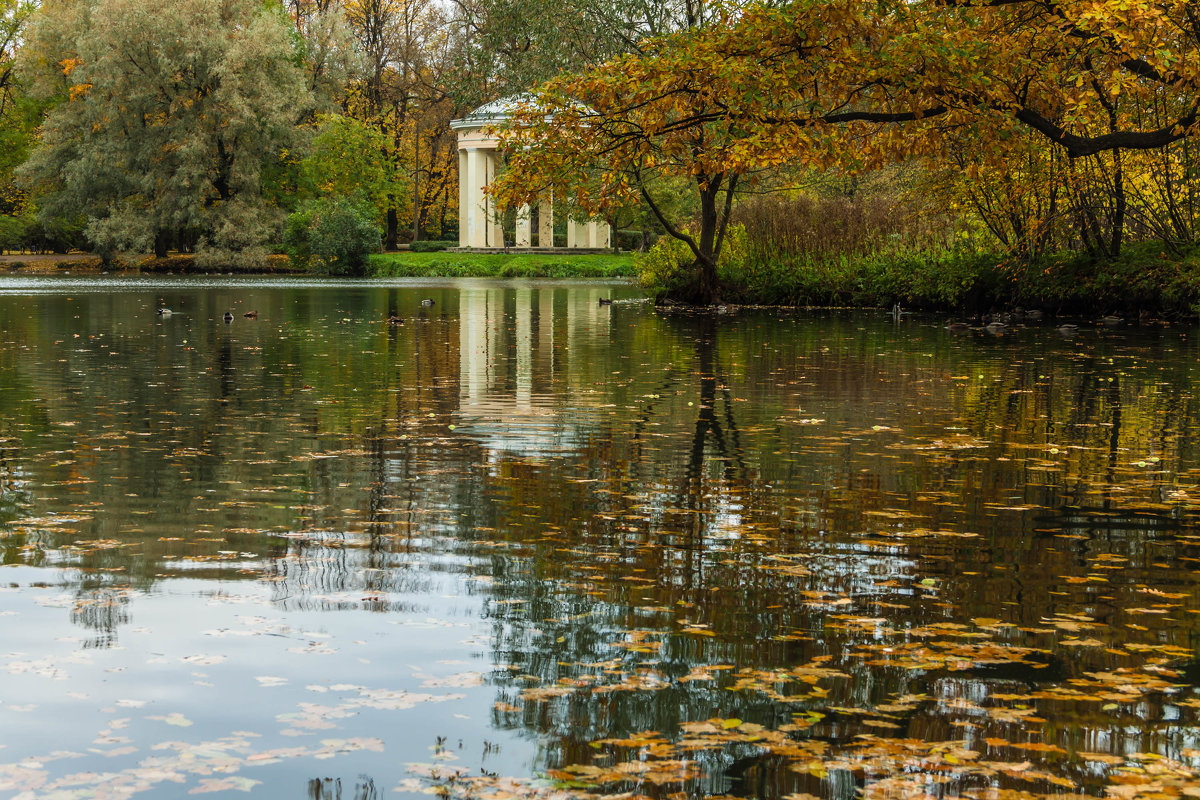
pixel 463 206
pixel 597 234
pixel 577 233
pixel 495 221
pixel 476 199
pixel 524 227
pixel 546 222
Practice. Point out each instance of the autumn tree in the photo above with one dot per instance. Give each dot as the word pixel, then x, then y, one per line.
pixel 13 16
pixel 172 112
pixel 398 92
pixel 512 46
pixel 834 82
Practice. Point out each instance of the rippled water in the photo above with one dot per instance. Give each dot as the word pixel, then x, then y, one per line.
pixel 524 542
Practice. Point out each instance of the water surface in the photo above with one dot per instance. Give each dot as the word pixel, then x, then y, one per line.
pixel 523 542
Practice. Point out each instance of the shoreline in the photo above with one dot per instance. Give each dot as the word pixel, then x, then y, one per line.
pixel 88 264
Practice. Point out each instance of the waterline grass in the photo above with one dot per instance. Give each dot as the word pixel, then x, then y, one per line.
pixel 1145 279
pixel 500 265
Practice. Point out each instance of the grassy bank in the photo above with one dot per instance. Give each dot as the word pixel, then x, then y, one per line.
pixel 499 265
pixel 1145 278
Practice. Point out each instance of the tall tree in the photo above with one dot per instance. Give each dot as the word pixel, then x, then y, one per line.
pixel 16 114
pixel 13 16
pixel 396 39
pixel 172 113
pixel 858 84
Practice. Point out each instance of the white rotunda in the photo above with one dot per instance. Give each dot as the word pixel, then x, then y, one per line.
pixel 480 222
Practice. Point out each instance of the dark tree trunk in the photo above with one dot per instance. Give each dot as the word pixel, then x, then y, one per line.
pixel 705 285
pixel 393 230
pixel 161 241
pixel 706 288
pixel 1119 206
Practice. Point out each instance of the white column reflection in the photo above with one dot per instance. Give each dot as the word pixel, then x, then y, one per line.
pixel 528 361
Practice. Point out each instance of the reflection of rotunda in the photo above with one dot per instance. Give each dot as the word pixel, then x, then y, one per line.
pixel 530 358
pixel 480 222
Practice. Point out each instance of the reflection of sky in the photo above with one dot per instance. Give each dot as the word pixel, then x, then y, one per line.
pixel 200 661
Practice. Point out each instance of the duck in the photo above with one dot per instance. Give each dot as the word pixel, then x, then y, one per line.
pixel 605 301
pixel 1034 314
pixel 163 311
pixel 1111 319
pixel 228 317
pixel 427 302
pixel 251 315
pixel 996 326
pixel 394 320
pixel 956 327
pixel 1068 328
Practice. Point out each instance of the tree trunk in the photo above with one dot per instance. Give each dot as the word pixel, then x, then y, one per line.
pixel 706 290
pixel 416 184
pixel 393 230
pixel 161 240
pixel 1119 206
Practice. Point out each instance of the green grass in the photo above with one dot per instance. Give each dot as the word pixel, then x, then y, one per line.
pixel 499 265
pixel 1147 278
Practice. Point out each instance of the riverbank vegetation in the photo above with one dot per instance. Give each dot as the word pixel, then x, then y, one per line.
pixel 1037 127
pixel 952 155
pixel 500 265
pixel 846 251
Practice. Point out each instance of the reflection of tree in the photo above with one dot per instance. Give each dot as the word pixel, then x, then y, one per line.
pixel 634 564
pixel 709 373
pixel 331 789
pixel 101 610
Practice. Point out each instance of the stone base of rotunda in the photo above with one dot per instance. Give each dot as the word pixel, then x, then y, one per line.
pixel 516 251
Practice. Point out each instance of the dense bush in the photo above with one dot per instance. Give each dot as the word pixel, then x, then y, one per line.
pixel 12 234
pixel 332 235
pixel 431 245
pixel 32 234
pixel 633 239
pixel 859 258
pixel 666 267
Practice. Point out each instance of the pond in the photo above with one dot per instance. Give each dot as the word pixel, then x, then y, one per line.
pixel 519 542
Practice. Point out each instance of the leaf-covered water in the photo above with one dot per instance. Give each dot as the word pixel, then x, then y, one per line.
pixel 518 542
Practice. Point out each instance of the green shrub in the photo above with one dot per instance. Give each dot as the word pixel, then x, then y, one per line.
pixel 332 235
pixel 666 267
pixel 296 238
pixel 431 245
pixel 499 265
pixel 631 239
pixel 12 233
pixel 670 263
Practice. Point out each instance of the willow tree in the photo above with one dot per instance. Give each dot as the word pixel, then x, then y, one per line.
pixel 171 113
pixel 15 110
